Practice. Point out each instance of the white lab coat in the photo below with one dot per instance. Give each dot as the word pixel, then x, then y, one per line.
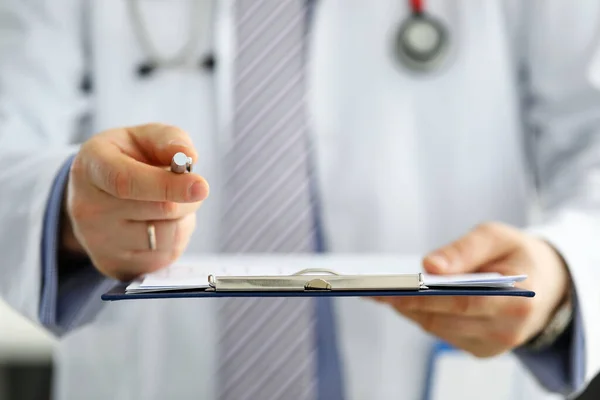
pixel 405 163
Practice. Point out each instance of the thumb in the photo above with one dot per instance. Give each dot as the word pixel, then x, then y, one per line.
pixel 484 244
pixel 160 142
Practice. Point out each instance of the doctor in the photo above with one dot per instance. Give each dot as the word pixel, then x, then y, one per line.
pixel 445 155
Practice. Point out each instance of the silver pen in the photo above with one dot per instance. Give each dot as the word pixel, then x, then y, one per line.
pixel 181 163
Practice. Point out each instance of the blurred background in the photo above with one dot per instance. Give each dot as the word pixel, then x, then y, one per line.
pixel 25 358
pixel 26 369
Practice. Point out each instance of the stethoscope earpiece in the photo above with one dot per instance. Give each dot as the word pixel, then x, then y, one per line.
pixel 208 62
pixel 146 69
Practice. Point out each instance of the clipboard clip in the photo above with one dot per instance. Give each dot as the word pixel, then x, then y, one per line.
pixel 316 283
pixel 316 279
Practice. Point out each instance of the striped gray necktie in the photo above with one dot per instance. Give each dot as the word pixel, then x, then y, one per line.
pixel 267 345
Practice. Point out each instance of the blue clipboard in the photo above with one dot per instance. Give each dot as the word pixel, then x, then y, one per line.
pixel 119 292
pixel 313 283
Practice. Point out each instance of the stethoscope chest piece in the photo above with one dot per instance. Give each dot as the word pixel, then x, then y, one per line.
pixel 421 43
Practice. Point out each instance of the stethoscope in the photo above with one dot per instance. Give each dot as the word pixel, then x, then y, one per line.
pixel 183 58
pixel 420 44
pixel 422 41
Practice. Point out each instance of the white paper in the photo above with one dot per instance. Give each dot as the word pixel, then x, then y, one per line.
pixel 476 279
pixel 193 273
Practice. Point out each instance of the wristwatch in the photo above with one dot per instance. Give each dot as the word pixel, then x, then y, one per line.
pixel 559 323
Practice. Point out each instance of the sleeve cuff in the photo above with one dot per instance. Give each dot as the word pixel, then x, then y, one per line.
pixel 63 298
pixel 562 367
pixel 559 368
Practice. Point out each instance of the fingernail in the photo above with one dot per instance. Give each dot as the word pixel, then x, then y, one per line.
pixel 178 142
pixel 438 261
pixel 196 191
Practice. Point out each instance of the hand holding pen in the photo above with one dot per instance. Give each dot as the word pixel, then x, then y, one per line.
pixel 124 207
